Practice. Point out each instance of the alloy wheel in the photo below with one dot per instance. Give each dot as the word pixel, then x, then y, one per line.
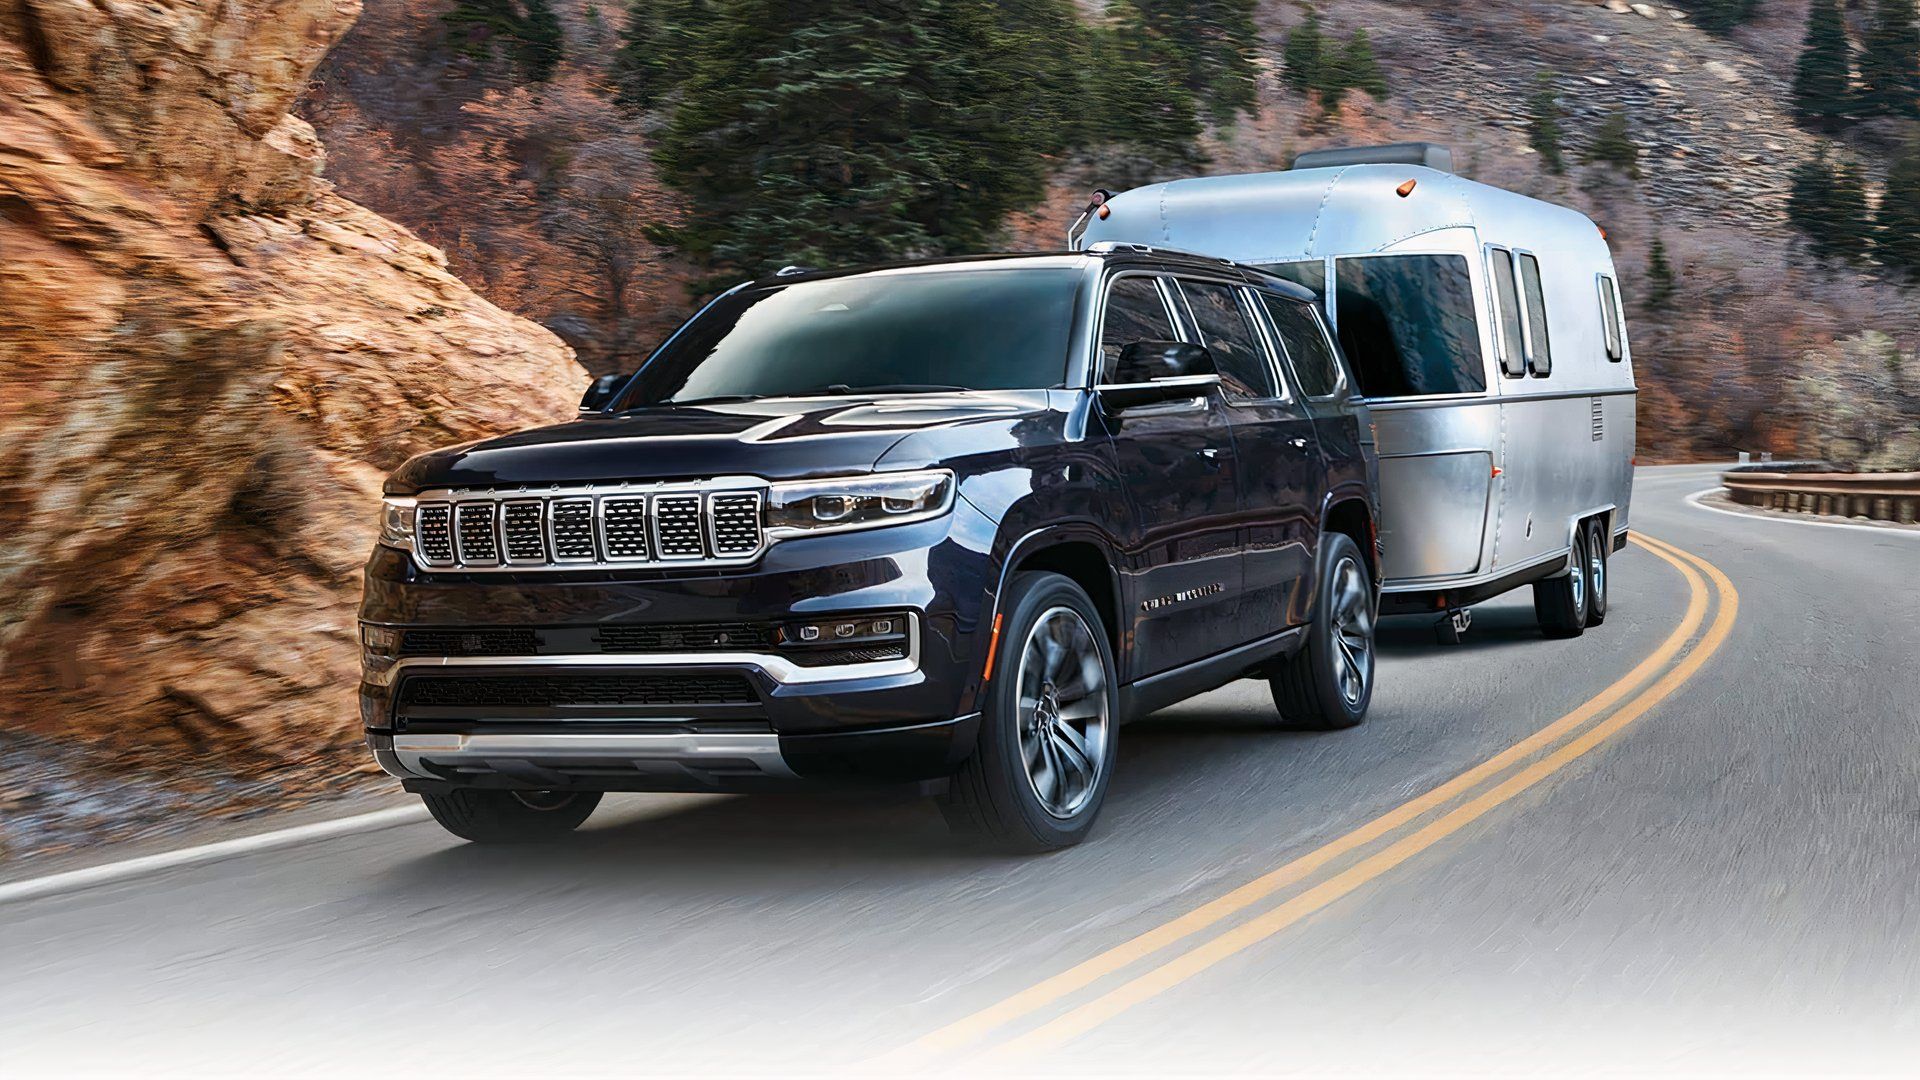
pixel 1352 629
pixel 1062 711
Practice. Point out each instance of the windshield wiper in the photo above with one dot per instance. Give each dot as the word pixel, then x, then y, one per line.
pixel 841 389
pixel 717 399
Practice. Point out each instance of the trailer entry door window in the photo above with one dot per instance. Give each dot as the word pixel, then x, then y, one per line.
pixel 1539 350
pixel 1610 318
pixel 1314 367
pixel 1135 312
pixel 1506 297
pixel 1227 330
pixel 1407 324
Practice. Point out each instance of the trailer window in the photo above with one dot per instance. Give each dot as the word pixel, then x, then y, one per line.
pixel 1610 318
pixel 1310 273
pixel 1314 367
pixel 1227 330
pixel 1407 325
pixel 1540 352
pixel 1135 312
pixel 1506 297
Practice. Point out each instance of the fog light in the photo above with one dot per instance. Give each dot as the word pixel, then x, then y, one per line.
pixel 875 637
pixel 383 640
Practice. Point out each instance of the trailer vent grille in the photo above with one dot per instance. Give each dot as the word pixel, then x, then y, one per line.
pixel 1599 421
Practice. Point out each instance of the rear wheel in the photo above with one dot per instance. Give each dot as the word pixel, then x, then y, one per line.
pixel 1598 552
pixel 1328 683
pixel 1560 603
pixel 510 817
pixel 1046 748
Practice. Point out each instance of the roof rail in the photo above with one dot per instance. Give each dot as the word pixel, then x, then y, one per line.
pixel 1108 247
pixel 1432 155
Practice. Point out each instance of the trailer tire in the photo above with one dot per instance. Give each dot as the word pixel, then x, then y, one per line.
pixel 1560 603
pixel 1599 574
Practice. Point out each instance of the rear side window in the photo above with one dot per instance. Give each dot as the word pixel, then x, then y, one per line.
pixel 1506 297
pixel 1540 350
pixel 1610 318
pixel 1407 325
pixel 1314 367
pixel 1226 329
pixel 1135 312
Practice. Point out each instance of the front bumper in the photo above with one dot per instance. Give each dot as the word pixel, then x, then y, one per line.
pixel 899 719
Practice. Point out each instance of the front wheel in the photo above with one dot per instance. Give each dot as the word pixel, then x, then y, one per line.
pixel 1328 683
pixel 1048 732
pixel 510 817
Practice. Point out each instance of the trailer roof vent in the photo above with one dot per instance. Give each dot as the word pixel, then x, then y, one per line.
pixel 1407 153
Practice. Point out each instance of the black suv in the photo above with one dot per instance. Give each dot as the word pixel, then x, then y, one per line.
pixel 950 521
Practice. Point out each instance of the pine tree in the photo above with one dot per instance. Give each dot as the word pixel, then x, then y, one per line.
pixel 1543 124
pixel 1890 61
pixel 1304 54
pixel 1613 145
pixel 528 30
pixel 825 133
pixel 1660 279
pixel 1822 90
pixel 1720 16
pixel 1829 203
pixel 659 46
pixel 1212 41
pixel 1359 69
pixel 1130 96
pixel 1899 234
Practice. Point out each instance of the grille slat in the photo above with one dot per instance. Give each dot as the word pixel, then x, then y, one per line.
pixel 434 523
pixel 686 525
pixel 683 637
pixel 473 533
pixel 677 521
pixel 574 690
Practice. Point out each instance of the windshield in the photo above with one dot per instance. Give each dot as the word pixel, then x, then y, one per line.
pixel 1000 329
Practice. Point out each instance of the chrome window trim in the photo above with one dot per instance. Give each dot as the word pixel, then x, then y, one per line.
pixel 778 668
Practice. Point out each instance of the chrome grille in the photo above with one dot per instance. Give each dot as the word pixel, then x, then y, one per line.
pixel 624 522
pixel 735 521
pixel 434 525
pixel 473 533
pixel 600 526
pixel 677 520
pixel 523 530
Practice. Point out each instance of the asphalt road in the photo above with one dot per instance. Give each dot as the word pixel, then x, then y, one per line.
pixel 1709 862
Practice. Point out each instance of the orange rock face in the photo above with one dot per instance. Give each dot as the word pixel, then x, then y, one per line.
pixel 208 359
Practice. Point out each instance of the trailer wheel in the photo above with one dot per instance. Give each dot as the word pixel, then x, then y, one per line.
pixel 1597 575
pixel 1560 603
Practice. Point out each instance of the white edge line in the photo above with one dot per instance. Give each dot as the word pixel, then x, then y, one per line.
pixel 90 876
pixel 1693 500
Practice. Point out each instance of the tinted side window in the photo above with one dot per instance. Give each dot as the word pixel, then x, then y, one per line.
pixel 1407 324
pixel 1506 296
pixel 1311 273
pixel 1226 329
pixel 1610 317
pixel 1313 364
pixel 1134 313
pixel 1540 352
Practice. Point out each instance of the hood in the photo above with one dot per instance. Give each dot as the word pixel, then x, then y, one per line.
pixel 778 439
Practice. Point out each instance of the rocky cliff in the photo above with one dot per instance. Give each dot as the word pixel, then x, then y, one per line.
pixel 208 358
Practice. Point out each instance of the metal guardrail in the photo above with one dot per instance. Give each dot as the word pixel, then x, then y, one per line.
pixel 1876 496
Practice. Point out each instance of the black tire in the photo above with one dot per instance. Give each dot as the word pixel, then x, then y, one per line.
pixel 1328 683
pixel 1560 603
pixel 510 817
pixel 1599 574
pixel 996 796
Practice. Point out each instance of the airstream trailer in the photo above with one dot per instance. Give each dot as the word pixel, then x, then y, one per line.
pixel 1485 334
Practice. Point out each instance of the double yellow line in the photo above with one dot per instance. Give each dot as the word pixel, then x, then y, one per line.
pixel 1495 781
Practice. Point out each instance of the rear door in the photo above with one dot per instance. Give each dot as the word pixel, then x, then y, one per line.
pixel 1179 557
pixel 1282 476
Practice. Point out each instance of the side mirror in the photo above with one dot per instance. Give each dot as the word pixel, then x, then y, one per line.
pixel 1155 371
pixel 600 392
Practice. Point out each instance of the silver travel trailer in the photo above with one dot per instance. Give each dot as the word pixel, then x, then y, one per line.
pixel 1485 333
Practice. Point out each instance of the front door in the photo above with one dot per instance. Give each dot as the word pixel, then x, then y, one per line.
pixel 1180 568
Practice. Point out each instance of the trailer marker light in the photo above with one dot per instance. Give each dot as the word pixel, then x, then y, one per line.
pixel 1406 189
pixel 1497 470
pixel 1105 211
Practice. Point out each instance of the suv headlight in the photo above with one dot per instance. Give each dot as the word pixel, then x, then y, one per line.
pixel 396 521
pixel 808 507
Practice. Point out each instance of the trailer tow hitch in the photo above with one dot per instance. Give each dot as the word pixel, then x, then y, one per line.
pixel 1453 626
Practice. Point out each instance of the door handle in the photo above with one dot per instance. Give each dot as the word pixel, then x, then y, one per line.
pixel 1297 443
pixel 1210 453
